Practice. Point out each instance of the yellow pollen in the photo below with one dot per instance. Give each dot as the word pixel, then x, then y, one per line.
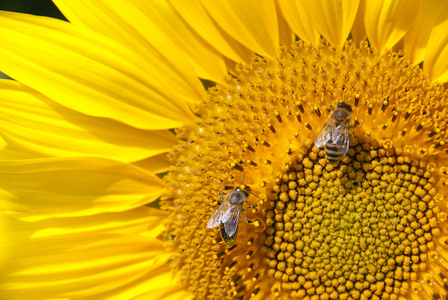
pixel 371 225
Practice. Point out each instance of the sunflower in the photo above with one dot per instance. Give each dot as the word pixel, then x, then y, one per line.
pixel 126 128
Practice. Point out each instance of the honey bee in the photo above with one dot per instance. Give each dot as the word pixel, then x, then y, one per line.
pixel 335 133
pixel 227 215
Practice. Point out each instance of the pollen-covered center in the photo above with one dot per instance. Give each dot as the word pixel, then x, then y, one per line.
pixel 364 227
pixel 370 225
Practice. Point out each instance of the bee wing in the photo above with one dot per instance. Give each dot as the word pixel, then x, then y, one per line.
pixel 220 215
pixel 231 224
pixel 346 140
pixel 324 134
pixel 341 136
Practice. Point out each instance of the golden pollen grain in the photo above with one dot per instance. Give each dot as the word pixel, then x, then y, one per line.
pixel 371 226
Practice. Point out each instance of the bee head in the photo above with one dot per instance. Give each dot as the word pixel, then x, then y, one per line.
pixel 344 106
pixel 239 190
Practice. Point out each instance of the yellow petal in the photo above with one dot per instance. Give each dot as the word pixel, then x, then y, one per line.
pixel 387 21
pixel 10 153
pixel 205 60
pixel 5 251
pixel 333 19
pixel 197 17
pixel 287 36
pixel 149 26
pixel 65 187
pixel 143 220
pixel 160 285
pixel 436 62
pixel 299 21
pixel 417 37
pixel 80 266
pixel 34 123
pixel 358 29
pixel 92 74
pixel 253 23
pixel 116 23
pixel 155 164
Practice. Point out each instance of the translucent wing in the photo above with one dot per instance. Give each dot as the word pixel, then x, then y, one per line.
pixel 337 135
pixel 346 140
pixel 221 214
pixel 231 224
pixel 341 136
pixel 325 133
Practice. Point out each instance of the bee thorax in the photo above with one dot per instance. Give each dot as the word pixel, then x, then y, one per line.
pixel 237 198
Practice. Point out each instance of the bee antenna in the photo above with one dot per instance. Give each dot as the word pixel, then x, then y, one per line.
pixel 244 175
pixel 254 194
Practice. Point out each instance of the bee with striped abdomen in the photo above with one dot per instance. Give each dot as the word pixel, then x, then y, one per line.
pixel 227 215
pixel 335 135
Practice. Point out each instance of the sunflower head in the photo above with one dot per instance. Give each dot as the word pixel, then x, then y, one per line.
pixel 366 225
pixel 311 167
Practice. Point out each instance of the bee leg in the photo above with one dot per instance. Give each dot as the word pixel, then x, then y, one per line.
pixel 244 217
pixel 250 207
pixel 246 220
pixel 249 221
pixel 220 196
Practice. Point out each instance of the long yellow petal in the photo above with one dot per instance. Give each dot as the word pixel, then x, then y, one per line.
pixel 110 21
pixel 333 19
pixel 253 23
pixel 5 251
pixel 197 17
pixel 286 34
pixel 160 285
pixel 145 221
pixel 165 33
pixel 7 152
pixel 299 21
pixel 436 62
pixel 417 37
pixel 65 187
pixel 359 29
pixel 206 61
pixel 83 266
pixel 387 21
pixel 155 164
pixel 92 74
pixel 31 122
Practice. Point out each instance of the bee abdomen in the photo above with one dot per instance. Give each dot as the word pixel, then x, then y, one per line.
pixel 228 240
pixel 333 152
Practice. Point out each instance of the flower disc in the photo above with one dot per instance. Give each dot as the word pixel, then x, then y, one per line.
pixel 370 226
